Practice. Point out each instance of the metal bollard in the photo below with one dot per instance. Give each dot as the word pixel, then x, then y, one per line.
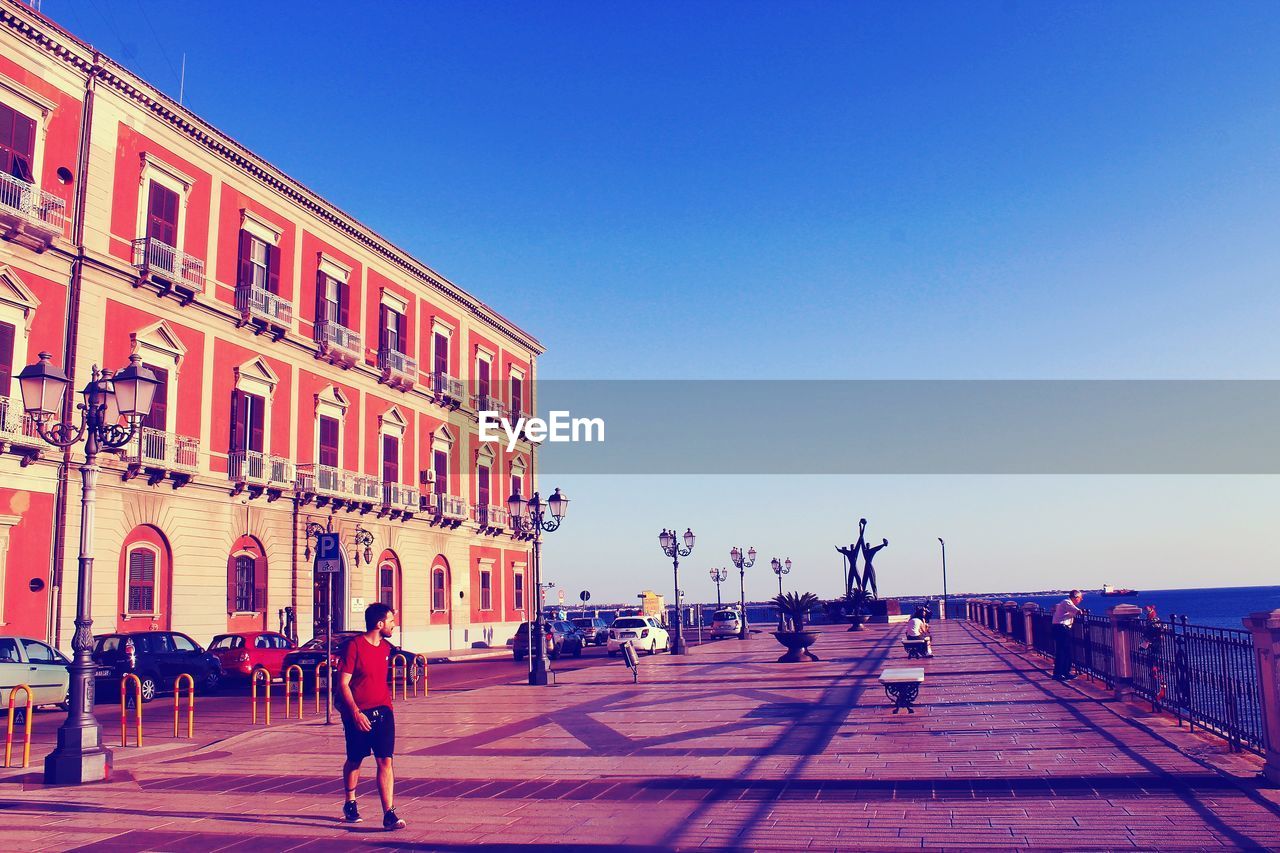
pixel 420 661
pixel 191 704
pixel 8 736
pixel 400 666
pixel 328 674
pixel 288 692
pixel 124 708
pixel 253 694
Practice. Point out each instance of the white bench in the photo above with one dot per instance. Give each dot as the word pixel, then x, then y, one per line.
pixel 902 685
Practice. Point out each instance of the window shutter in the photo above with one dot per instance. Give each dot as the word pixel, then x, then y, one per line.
pixel 390 459
pixel 142 579
pixel 382 327
pixel 273 268
pixel 158 417
pixel 344 305
pixel 482 492
pixel 402 340
pixel 256 406
pixel 244 274
pixel 441 460
pixel 441 354
pixel 6 360
pixel 321 306
pixel 236 441
pixel 232 572
pixel 328 441
pixel 260 584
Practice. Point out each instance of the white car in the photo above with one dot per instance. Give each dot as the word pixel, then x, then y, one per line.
pixel 643 632
pixel 37 665
pixel 726 623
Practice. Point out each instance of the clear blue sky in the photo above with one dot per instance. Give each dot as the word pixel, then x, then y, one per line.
pixel 799 190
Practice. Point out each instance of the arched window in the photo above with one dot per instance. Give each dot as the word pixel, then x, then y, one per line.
pixel 244 599
pixel 387 585
pixel 437 590
pixel 141 598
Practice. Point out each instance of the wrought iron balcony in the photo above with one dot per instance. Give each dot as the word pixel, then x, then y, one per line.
pixel 398 369
pixel 448 389
pixel 169 268
pixel 400 498
pixel 255 470
pixel 162 453
pixel 491 519
pixel 29 215
pixel 338 344
pixel 489 403
pixel 18 430
pixel 255 303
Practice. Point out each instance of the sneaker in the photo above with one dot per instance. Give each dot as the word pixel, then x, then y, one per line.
pixel 351 812
pixel 391 821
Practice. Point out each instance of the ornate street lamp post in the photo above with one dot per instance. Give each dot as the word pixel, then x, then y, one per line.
pixel 80 756
pixel 530 517
pixel 719 576
pixel 943 614
pixel 670 543
pixel 737 557
pixel 781 569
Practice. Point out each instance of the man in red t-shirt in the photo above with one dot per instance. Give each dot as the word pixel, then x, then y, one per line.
pixel 365 705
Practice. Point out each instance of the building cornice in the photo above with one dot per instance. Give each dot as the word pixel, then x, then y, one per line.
pixel 58 43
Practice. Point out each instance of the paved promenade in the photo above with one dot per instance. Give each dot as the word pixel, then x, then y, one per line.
pixel 720 749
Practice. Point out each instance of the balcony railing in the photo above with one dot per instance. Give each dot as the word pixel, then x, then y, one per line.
pixel 396 367
pixel 338 484
pixel 399 497
pixel 489 403
pixel 453 508
pixel 490 517
pixel 163 262
pixel 156 448
pixel 255 303
pixel 16 425
pixel 254 468
pixel 338 341
pixel 447 388
pixel 28 208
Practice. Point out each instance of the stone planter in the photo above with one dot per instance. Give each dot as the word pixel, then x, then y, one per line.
pixel 856 621
pixel 797 643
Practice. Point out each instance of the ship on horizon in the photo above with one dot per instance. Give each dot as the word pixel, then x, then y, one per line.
pixel 1108 589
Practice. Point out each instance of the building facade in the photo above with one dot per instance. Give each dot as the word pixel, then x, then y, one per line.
pixel 314 376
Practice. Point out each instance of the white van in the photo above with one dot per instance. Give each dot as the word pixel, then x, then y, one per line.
pixel 726 623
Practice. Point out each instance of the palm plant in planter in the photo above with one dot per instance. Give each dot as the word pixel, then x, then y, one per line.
pixel 794 608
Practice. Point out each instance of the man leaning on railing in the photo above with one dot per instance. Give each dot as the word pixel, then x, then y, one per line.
pixel 1064 617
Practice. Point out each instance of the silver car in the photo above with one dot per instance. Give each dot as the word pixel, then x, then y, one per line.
pixel 37 665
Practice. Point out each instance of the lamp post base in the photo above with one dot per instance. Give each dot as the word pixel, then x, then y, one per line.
pixel 680 647
pixel 538 672
pixel 76 763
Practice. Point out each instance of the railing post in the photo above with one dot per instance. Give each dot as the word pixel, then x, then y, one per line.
pixel 1009 608
pixel 1029 611
pixel 1265 628
pixel 1124 620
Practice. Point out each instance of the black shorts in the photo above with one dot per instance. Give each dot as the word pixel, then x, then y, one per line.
pixel 380 740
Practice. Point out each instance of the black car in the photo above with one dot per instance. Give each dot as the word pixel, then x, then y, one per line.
pixel 562 638
pixel 157 658
pixel 594 631
pixel 310 654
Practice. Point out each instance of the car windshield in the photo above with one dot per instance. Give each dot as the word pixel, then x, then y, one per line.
pixel 584 623
pixel 630 623
pixel 226 641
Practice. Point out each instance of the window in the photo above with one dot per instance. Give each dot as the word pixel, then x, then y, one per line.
pixel 437 590
pixel 518 589
pixel 387 585
pixel 142 581
pixel 440 464
pixel 391 335
pixel 517 485
pixel 9 650
pixel 486 589
pixel 482 485
pixel 517 395
pixel 329 441
pixel 7 331
pixel 183 643
pixel 332 299
pixel 158 417
pixel 440 354
pixel 247 417
pixel 244 600
pixel 482 380
pixel 226 641
pixel 259 264
pixel 38 652
pixel 390 459
pixel 17 144
pixel 162 215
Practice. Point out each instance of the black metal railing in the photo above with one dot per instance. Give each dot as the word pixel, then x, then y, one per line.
pixel 1207 676
pixel 1091 650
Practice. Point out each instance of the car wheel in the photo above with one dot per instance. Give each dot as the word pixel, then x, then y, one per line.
pixel 653 647
pixel 668 648
pixel 211 680
pixel 148 688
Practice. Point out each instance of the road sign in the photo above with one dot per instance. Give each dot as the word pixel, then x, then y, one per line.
pixel 328 554
pixel 584 595
pixel 562 595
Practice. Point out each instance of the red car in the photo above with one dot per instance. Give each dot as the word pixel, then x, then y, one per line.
pixel 240 654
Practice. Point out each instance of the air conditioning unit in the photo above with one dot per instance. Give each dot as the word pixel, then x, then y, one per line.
pixel 428 477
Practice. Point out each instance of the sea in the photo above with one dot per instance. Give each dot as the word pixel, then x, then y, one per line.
pixel 1216 607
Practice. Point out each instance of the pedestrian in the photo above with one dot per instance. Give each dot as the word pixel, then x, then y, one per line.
pixel 1064 617
pixel 918 629
pixel 367 720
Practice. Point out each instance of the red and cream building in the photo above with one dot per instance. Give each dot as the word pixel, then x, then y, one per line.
pixel 312 373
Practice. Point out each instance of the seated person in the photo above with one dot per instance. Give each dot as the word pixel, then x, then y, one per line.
pixel 918 629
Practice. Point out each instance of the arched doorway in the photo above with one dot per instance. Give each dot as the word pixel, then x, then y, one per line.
pixel 327 587
pixel 145 588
